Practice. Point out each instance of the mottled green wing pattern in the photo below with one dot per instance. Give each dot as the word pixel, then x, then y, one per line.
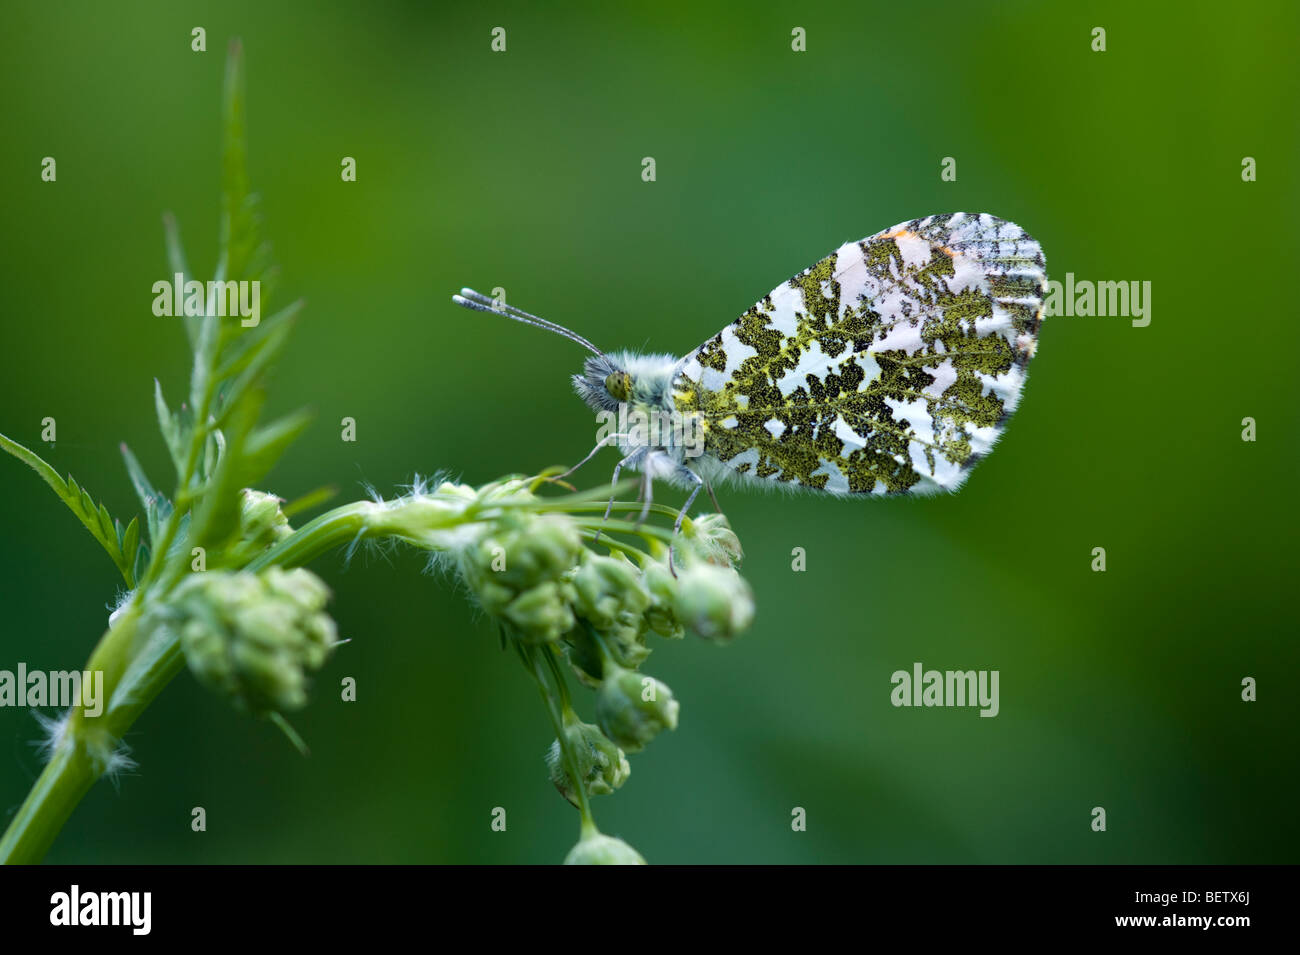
pixel 888 367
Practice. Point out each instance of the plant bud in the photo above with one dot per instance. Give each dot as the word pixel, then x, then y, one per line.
pixel 600 849
pixel 255 637
pixel 625 640
pixel 602 765
pixel 261 521
pixel 517 569
pixel 632 708
pixel 716 540
pixel 607 587
pixel 713 601
pixel 541 614
pixel 661 615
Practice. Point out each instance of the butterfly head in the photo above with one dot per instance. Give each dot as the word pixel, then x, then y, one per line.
pixel 604 384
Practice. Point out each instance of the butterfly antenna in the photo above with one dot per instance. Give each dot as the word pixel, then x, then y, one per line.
pixel 468 298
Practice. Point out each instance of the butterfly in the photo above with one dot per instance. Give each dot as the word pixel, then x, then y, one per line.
pixel 889 367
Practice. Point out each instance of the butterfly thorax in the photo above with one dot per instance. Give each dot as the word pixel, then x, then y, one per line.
pixel 633 397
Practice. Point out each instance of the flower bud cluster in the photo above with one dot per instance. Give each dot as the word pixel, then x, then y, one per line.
pixel 254 637
pixel 527 564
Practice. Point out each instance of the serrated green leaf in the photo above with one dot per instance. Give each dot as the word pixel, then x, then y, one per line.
pixel 150 499
pixel 234 393
pixel 35 462
pixel 205 352
pixel 97 520
pixel 175 250
pixel 176 262
pixel 267 444
pixel 165 508
pixel 182 530
pixel 217 515
pixel 261 265
pixel 223 450
pixel 131 547
pixel 269 276
pixel 268 334
pixel 141 563
pixel 106 525
pixel 209 464
pixel 144 488
pixel 131 537
pixel 169 427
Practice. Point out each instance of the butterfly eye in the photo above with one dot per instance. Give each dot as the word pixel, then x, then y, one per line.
pixel 619 385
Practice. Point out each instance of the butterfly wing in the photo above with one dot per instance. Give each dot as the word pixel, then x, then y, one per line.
pixel 889 367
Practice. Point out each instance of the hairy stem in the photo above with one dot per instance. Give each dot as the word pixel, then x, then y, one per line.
pixel 138 658
pixel 139 655
pixel 67 777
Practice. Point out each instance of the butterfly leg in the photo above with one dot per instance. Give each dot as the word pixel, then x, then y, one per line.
pixel 591 454
pixel 618 469
pixel 647 497
pixel 713 497
pixel 681 515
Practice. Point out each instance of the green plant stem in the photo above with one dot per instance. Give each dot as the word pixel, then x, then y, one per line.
pixel 645 531
pixel 555 706
pixel 67 777
pixel 137 663
pixel 139 657
pixel 318 536
pixel 79 755
pixel 588 823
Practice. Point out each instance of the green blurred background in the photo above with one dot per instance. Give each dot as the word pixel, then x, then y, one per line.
pixel 522 170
